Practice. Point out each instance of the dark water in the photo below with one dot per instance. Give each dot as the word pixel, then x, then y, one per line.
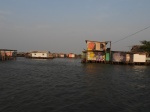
pixel 66 85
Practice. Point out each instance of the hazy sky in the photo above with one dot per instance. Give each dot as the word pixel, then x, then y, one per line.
pixel 64 25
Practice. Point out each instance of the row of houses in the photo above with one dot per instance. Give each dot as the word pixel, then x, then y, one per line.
pixel 49 55
pixel 99 52
pixel 7 54
pixel 63 55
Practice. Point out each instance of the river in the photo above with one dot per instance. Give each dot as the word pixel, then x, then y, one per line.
pixel 66 85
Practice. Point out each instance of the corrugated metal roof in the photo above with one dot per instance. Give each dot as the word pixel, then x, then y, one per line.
pixel 39 52
pixel 95 41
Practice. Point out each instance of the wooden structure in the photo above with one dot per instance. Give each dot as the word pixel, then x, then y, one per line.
pixel 119 57
pixel 7 54
pixel 96 51
pixel 125 58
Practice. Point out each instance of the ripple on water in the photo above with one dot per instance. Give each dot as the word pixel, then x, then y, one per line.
pixel 66 85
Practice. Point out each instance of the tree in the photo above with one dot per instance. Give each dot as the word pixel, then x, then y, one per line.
pixel 145 47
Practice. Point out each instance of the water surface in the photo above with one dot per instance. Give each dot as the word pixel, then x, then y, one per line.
pixel 66 85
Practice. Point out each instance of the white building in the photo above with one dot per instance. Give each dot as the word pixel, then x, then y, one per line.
pixel 139 57
pixel 40 54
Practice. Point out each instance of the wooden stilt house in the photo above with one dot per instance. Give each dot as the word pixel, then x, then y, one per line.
pixel 96 51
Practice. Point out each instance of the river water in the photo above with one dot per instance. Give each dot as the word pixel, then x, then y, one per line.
pixel 66 85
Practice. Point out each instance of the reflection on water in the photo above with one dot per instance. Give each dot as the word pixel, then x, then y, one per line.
pixel 90 68
pixel 66 85
pixel 140 69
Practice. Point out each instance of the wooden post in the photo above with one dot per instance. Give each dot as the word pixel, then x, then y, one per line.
pixel 110 52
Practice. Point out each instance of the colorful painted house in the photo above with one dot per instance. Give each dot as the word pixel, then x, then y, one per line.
pixel 96 51
pixel 95 45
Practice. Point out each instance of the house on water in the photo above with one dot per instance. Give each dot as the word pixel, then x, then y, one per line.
pixel 41 54
pixel 7 54
pixel 71 55
pixel 128 57
pixel 96 51
pixel 61 55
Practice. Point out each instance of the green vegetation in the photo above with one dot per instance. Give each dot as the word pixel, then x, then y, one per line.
pixel 145 46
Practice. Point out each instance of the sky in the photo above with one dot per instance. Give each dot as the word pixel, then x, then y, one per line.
pixel 62 26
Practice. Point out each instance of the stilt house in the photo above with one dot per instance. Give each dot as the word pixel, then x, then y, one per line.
pixel 96 51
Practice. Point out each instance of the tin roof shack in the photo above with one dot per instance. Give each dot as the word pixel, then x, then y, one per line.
pixel 7 54
pixel 40 54
pixel 71 55
pixel 96 51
